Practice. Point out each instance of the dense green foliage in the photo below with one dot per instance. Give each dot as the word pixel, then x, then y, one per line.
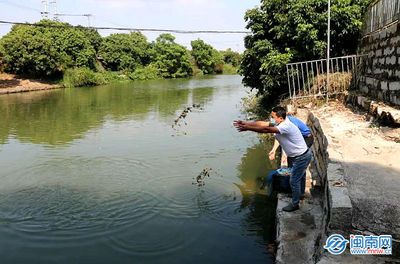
pixel 172 59
pixel 125 51
pixel 285 31
pixel 231 57
pixel 45 50
pixel 207 59
pixel 230 69
pixel 83 57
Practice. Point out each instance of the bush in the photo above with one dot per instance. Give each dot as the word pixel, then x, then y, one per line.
pixel 82 77
pixel 110 76
pixel 230 69
pixel 149 72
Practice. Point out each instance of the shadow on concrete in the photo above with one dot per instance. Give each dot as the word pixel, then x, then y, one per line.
pixel 374 191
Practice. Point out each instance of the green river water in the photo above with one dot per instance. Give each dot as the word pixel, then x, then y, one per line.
pixel 100 175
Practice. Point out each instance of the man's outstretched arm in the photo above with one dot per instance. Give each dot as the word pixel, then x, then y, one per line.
pixel 257 126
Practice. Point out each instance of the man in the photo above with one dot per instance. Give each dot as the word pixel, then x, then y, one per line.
pixel 308 138
pixel 291 141
pixel 305 132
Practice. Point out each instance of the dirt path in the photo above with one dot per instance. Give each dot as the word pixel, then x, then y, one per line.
pixel 371 161
pixel 10 83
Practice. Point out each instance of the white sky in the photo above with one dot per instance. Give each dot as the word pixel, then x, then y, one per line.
pixel 166 14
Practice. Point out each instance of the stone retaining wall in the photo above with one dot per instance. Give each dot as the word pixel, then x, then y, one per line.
pixel 319 164
pixel 337 207
pixel 379 75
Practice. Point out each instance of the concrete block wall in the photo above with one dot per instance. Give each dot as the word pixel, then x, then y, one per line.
pixel 319 164
pixel 337 207
pixel 379 72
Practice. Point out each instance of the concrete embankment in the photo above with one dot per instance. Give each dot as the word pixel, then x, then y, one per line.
pixel 354 190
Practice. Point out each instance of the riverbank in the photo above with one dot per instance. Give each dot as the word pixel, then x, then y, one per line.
pixel 10 83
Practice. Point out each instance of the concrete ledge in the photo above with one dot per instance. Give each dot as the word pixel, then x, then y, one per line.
pixel 382 113
pixel 299 232
pixel 341 209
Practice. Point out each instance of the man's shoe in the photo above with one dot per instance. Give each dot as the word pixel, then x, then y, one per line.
pixel 291 208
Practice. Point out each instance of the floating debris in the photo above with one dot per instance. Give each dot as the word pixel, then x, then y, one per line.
pixel 181 118
pixel 205 173
pixel 201 177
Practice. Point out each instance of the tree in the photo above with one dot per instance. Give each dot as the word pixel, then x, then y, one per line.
pixel 284 31
pixel 207 59
pixel 125 51
pixel 93 36
pixel 47 49
pixel 231 57
pixel 172 59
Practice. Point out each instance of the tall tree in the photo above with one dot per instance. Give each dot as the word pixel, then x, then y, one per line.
pixel 125 51
pixel 206 57
pixel 231 57
pixel 284 31
pixel 172 59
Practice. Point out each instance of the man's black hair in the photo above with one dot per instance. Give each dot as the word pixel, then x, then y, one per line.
pixel 280 111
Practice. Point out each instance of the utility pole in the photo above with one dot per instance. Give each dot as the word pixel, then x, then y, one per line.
pixel 88 17
pixel 53 5
pixel 328 51
pixel 45 12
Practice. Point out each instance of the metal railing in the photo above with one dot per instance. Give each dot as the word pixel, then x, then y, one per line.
pixel 309 78
pixel 380 14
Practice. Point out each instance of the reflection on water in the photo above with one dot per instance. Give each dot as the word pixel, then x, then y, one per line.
pixel 58 117
pixel 251 169
pixel 99 175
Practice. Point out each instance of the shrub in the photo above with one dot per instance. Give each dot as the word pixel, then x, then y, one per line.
pixel 230 69
pixel 149 72
pixel 82 77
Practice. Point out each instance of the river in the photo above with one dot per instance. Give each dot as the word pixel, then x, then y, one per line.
pixel 108 175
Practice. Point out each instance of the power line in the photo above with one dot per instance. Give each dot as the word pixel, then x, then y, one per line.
pixel 88 16
pixel 20 6
pixel 135 29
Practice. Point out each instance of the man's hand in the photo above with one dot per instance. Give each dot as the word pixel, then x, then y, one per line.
pixel 240 125
pixel 271 155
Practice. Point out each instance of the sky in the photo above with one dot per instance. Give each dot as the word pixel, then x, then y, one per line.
pixel 164 14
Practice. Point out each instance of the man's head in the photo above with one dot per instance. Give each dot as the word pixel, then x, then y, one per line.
pixel 278 114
